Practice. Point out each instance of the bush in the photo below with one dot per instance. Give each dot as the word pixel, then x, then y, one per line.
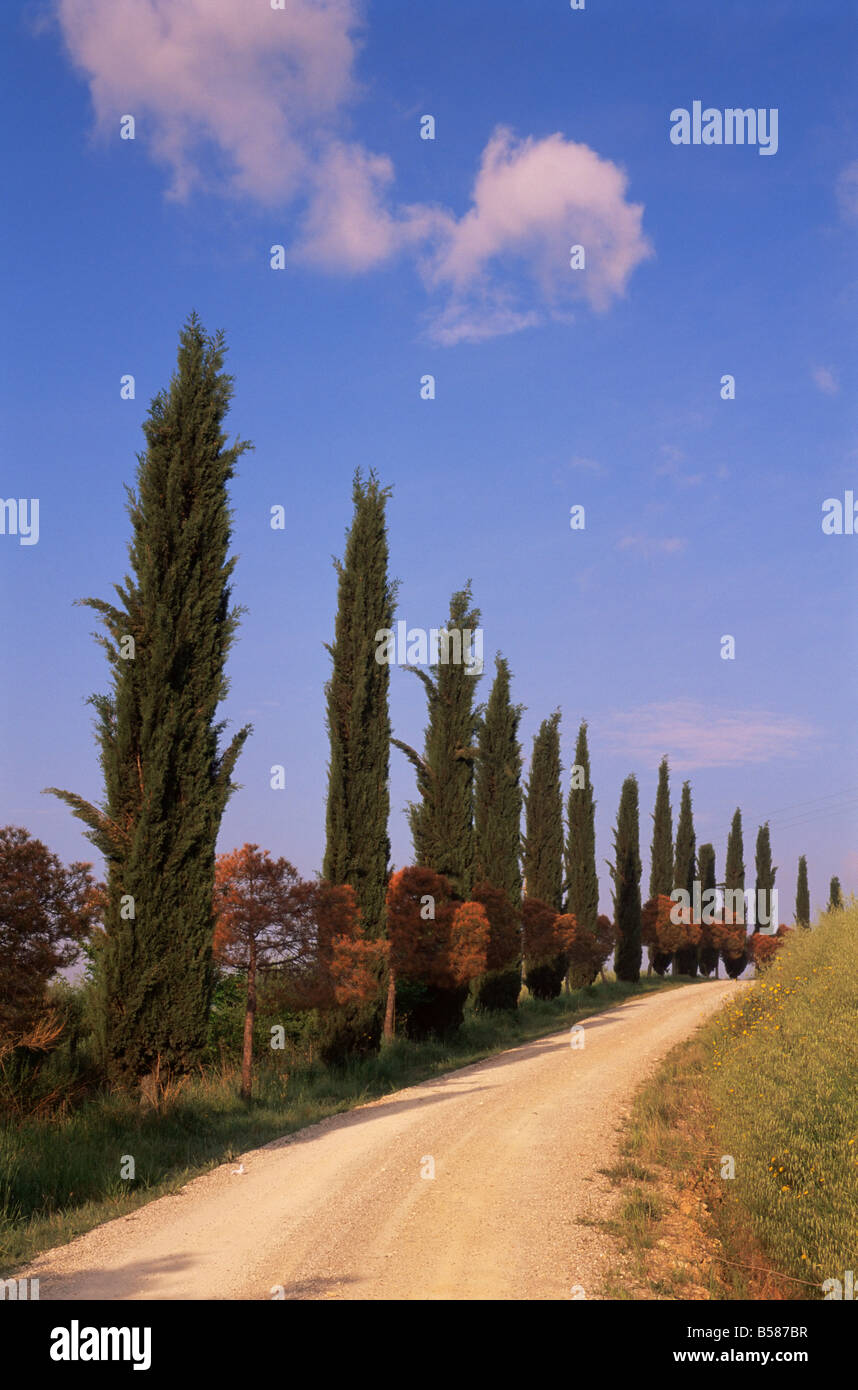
pixel 498 990
pixel 545 981
pixel 353 1030
pixel 430 1010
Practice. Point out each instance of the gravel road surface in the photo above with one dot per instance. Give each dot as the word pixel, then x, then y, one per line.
pixel 346 1209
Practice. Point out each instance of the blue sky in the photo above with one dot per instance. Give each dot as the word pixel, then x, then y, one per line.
pixel 407 256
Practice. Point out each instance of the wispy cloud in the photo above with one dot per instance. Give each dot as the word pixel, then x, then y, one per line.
pixel 826 379
pixel 846 190
pixel 648 546
pixel 586 465
pixel 248 101
pixel 694 735
pixel 672 466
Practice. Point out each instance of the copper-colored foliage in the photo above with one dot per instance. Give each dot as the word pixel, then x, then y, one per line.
pixel 307 932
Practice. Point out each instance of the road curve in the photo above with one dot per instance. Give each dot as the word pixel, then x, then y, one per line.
pixel 342 1210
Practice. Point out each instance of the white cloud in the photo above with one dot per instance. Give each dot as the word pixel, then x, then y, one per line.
pixel 694 735
pixel 252 82
pixel 532 200
pixel 826 379
pixel 252 102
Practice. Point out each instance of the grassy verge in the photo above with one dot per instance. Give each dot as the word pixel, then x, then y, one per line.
pixel 765 1091
pixel 61 1177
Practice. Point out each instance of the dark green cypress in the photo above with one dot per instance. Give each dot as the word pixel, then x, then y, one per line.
pixel 166 779
pixel 802 896
pixel 543 836
pixel 835 897
pixel 357 847
pixel 734 881
pixel 497 822
pixel 582 880
pixel 765 877
pixel 661 855
pixel 661 858
pixel 626 873
pixel 543 847
pixel 497 790
pixel 442 821
pixel 708 955
pixel 684 869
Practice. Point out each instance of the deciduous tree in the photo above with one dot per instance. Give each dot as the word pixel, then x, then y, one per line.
pixel 46 911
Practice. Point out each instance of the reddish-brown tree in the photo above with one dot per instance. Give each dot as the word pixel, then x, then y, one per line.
pixel 504 946
pixel 661 930
pixel 46 910
pixel 469 942
pixel 588 950
pixel 256 926
pixel 435 943
pixel 763 947
pixel 348 963
pixel 419 911
pixel 728 935
pixel 547 937
pixel 309 932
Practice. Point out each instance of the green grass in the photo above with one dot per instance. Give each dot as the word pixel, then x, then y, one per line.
pixel 60 1177
pixel 783 1080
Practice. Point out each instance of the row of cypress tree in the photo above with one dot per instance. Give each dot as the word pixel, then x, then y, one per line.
pixel 465 822
pixel 168 774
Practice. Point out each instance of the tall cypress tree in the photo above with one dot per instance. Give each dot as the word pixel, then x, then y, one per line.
pixel 765 877
pixel 357 847
pixel 582 880
pixel 497 822
pixel 802 896
pixel 167 780
pixel 734 881
pixel 684 869
pixel 543 836
pixel 543 846
pixel 708 955
pixel 626 873
pixel 835 897
pixel 442 821
pixel 661 855
pixel 661 858
pixel 497 790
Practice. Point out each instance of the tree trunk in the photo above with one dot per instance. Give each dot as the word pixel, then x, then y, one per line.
pixel 390 1011
pixel 249 1019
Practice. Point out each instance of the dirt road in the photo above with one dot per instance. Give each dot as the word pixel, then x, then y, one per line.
pixel 347 1209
